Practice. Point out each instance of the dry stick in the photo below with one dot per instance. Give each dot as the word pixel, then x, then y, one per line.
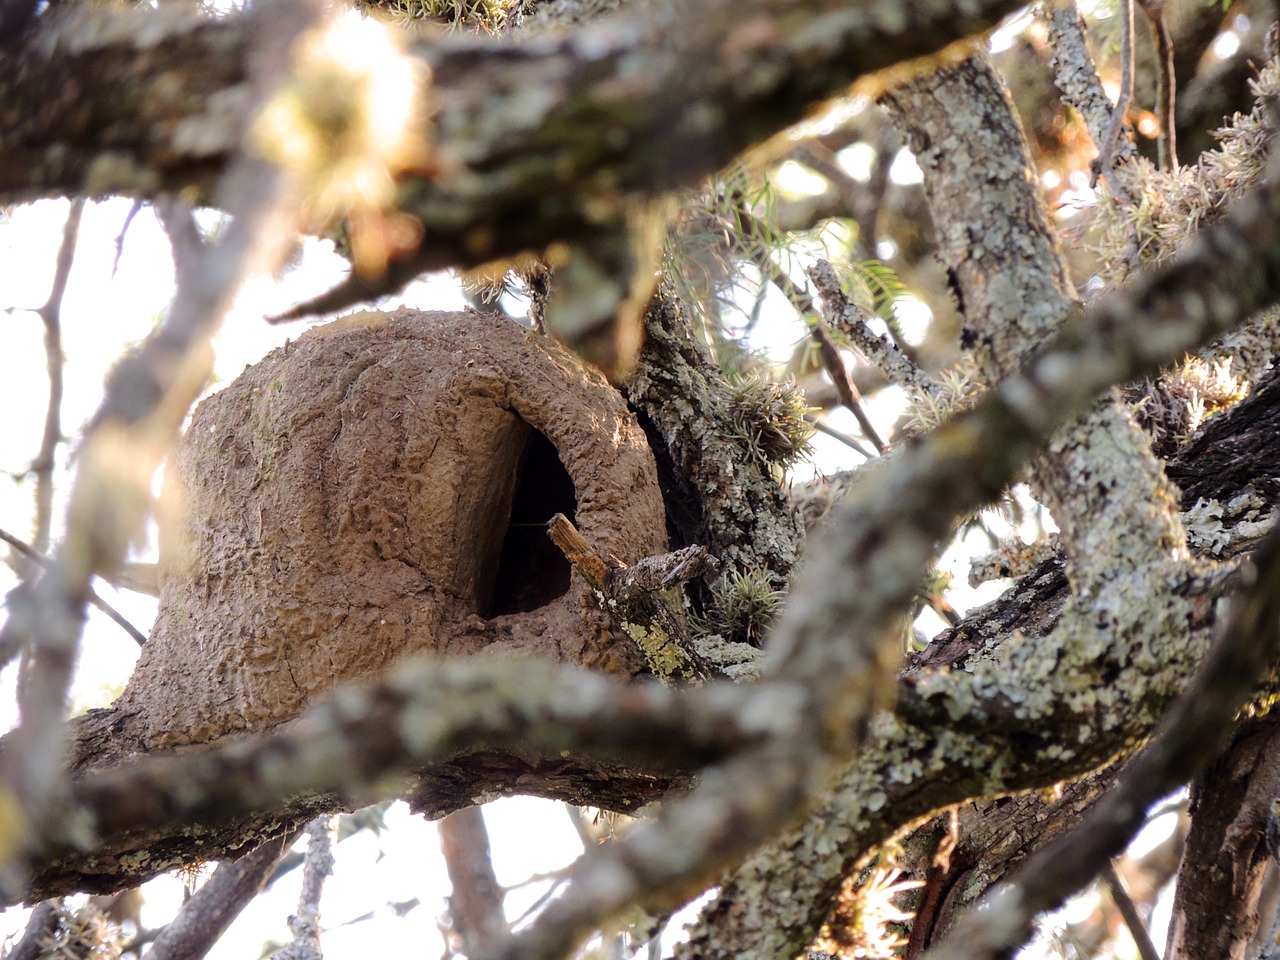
pixel 1129 912
pixel 1167 144
pixel 1107 148
pixel 627 595
pixel 45 563
pixel 848 390
pixel 146 399
pixel 475 903
pixel 1193 733
pixel 213 907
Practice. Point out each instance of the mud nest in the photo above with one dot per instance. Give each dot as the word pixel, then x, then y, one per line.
pixel 377 488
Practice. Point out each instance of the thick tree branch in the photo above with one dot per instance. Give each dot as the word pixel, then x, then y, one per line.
pixel 1220 880
pixel 623 109
pixel 1190 737
pixel 428 713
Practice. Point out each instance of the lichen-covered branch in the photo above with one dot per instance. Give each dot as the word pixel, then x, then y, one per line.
pixel 317 866
pixel 530 142
pixel 1076 76
pixel 847 318
pixel 1195 731
pixel 428 714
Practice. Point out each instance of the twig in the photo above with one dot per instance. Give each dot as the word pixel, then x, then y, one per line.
pixel 848 390
pixel 1191 735
pixel 318 865
pixel 834 434
pixel 1129 912
pixel 475 903
pixel 45 563
pixel 1107 147
pixel 212 908
pixel 1167 144
pixel 628 596
pixel 51 315
pixel 134 209
pixel 349 824
pixel 1076 75
pixel 845 316
pixel 805 305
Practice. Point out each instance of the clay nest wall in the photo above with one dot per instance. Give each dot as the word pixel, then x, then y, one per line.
pixel 377 488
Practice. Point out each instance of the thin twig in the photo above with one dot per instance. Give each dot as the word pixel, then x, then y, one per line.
pixel 51 315
pixel 1107 148
pixel 45 563
pixel 1129 913
pixel 834 434
pixel 134 209
pixel 845 316
pixel 1167 143
pixel 1076 75
pixel 848 390
pixel 804 304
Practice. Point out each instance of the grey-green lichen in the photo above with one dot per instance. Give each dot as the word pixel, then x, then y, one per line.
pixel 731 503
pixel 1216 529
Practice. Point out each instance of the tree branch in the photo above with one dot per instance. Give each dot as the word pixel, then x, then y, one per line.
pixel 475 904
pixel 680 105
pixel 1191 735
pixel 212 908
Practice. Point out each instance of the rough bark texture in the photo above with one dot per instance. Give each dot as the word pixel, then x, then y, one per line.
pixel 717 493
pixel 351 499
pixel 1215 908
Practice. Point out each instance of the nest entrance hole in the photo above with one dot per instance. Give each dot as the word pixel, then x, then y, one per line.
pixel 532 571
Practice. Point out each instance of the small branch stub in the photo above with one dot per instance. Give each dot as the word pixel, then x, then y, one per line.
pixel 629 596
